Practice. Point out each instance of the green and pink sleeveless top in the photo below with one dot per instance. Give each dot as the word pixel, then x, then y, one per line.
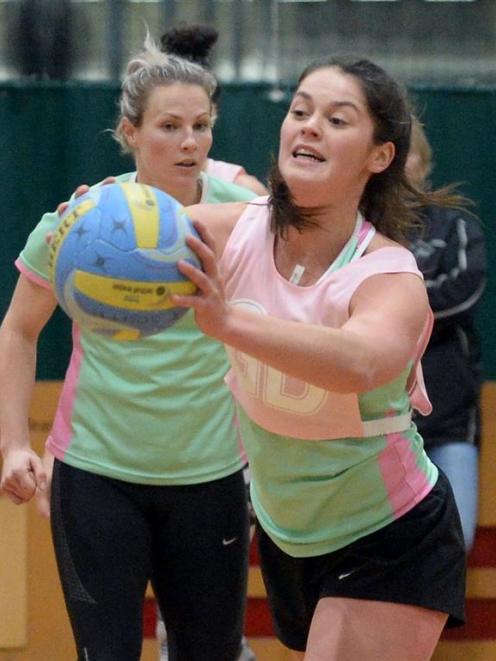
pixel 327 468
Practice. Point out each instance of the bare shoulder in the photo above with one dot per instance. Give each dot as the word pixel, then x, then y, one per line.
pixel 251 182
pixel 398 289
pixel 222 213
pixel 381 241
pixel 219 219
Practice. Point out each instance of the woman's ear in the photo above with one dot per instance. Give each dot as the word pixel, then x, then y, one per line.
pixel 382 157
pixel 129 132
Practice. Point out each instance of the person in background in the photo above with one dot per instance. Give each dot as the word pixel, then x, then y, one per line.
pixel 148 472
pixel 194 42
pixel 450 252
pixel 325 317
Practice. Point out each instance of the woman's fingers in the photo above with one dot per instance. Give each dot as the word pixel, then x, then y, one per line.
pixel 81 190
pixel 62 207
pixel 19 486
pixel 42 496
pixel 197 277
pixel 39 473
pixel 204 252
pixel 109 180
pixel 11 495
pixel 205 234
pixel 42 501
pixel 23 472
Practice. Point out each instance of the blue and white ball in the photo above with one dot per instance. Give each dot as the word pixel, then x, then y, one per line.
pixel 113 260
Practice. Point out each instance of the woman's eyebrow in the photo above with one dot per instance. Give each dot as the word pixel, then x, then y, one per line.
pixel 338 104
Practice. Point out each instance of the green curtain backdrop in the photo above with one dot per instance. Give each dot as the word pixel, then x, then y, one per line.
pixel 54 136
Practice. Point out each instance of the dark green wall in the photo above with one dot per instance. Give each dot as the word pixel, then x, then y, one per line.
pixel 53 137
pixel 461 125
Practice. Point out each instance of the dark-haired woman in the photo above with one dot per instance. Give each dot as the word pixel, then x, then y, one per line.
pixel 325 316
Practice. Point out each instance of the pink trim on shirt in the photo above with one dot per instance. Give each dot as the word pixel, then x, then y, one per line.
pixel 416 384
pixel 223 170
pixel 37 279
pixel 365 229
pixel 61 435
pixel 397 461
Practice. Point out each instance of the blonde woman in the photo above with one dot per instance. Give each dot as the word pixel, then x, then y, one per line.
pixel 148 475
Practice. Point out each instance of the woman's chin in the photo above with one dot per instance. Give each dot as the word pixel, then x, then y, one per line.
pixel 308 197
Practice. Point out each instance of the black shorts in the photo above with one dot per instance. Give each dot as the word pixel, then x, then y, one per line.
pixel 418 560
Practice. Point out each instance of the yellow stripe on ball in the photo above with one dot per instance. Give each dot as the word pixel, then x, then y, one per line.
pixel 144 212
pixel 131 294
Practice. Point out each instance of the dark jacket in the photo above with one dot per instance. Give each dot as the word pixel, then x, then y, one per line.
pixel 450 252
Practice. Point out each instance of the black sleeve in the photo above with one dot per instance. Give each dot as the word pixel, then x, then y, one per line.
pixel 459 277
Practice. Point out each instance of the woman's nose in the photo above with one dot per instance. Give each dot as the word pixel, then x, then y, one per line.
pixel 311 126
pixel 189 142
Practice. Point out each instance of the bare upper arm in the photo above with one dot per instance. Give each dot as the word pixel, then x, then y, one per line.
pixel 251 182
pixel 30 308
pixel 389 311
pixel 219 219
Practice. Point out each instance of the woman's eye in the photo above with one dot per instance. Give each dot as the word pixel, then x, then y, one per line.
pixel 298 114
pixel 202 126
pixel 168 126
pixel 337 121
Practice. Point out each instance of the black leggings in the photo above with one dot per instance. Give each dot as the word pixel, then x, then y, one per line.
pixel 191 542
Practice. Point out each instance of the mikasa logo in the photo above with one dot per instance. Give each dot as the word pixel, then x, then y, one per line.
pixel 133 290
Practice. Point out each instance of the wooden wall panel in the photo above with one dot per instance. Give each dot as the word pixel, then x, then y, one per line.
pixel 36 627
pixel 13 575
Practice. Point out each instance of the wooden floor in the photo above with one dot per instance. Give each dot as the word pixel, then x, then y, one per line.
pixel 269 649
pixel 33 621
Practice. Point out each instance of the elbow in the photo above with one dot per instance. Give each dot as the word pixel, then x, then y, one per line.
pixel 361 375
pixel 14 340
pixel 368 378
pixel 369 373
